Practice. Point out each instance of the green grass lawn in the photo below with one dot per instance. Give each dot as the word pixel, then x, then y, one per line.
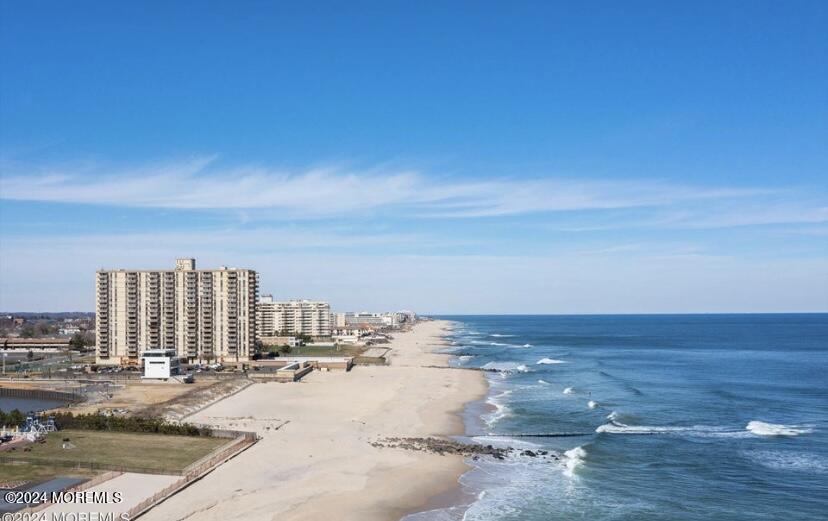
pixel 25 471
pixel 116 451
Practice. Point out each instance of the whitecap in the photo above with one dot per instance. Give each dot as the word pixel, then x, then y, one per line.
pixel 574 458
pixel 527 345
pixel 544 382
pixel 761 428
pixel 498 335
pixel 701 431
pixel 592 404
pixel 569 390
pixel 505 367
pixel 501 409
pixel 547 361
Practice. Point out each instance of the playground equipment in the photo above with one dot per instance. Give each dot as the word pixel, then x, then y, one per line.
pixel 32 429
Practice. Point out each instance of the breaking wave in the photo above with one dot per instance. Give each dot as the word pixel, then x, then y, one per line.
pixel 615 427
pixel 505 367
pixel 501 410
pixel 761 428
pixel 547 361
pixel 574 458
pixel 569 390
pixel 754 428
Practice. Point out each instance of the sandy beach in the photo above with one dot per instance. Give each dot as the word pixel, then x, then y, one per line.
pixel 315 459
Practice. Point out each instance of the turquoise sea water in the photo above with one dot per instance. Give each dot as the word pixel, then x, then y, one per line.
pixel 685 417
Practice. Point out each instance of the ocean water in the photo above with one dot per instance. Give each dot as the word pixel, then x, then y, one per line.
pixel 26 405
pixel 683 417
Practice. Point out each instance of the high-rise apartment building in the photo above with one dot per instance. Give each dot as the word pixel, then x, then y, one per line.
pixel 205 315
pixel 293 316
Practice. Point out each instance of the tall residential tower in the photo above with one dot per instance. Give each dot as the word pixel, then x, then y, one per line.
pixel 205 315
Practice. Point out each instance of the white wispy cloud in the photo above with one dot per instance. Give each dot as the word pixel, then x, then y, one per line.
pixel 200 183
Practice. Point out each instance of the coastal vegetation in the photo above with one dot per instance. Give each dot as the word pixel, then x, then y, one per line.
pixel 12 418
pixel 135 424
pixel 110 423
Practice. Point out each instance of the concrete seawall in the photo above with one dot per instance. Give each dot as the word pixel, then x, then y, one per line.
pixel 39 394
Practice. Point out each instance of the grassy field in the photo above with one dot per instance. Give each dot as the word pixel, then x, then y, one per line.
pixel 312 350
pixel 25 471
pixel 94 450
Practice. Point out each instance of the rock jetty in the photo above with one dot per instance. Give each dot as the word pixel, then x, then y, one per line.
pixel 444 446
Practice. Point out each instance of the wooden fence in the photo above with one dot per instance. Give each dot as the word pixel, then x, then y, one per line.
pixel 195 472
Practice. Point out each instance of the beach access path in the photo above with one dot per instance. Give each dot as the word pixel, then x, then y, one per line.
pixel 315 460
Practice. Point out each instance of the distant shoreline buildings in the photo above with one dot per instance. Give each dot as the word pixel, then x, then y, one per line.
pixel 390 319
pixel 302 317
pixel 212 315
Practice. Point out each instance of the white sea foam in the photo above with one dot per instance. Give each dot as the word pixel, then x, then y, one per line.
pixel 501 409
pixel 548 361
pixel 501 344
pixel 505 442
pixel 498 335
pixel 761 428
pixel 574 458
pixel 620 428
pixel 506 367
pixel 465 358
pixel 592 404
pixel 788 460
pixel 699 431
pixel 569 390
pixel 544 382
pixel 527 345
pixel 612 416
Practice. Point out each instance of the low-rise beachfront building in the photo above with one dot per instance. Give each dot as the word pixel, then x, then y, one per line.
pixel 351 334
pixel 203 315
pixel 271 341
pixel 160 363
pixel 299 317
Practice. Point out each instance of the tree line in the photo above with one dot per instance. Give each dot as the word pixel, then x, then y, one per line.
pixel 103 422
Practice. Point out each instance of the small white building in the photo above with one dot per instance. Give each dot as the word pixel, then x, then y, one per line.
pixel 160 363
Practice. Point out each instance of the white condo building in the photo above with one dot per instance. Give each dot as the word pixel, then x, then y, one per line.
pixel 388 319
pixel 204 315
pixel 293 316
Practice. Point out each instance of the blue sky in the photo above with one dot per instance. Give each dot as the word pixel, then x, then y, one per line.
pixel 447 157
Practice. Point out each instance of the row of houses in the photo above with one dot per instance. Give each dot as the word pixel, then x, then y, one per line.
pixel 212 315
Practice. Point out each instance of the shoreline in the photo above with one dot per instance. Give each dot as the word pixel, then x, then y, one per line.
pixel 453 495
pixel 320 462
